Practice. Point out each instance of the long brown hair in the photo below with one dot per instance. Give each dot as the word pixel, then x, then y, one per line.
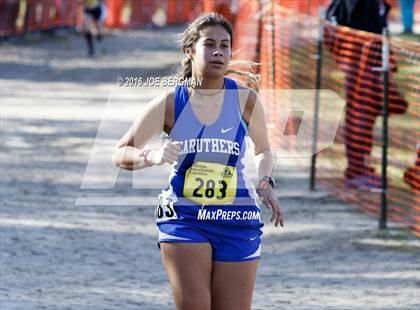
pixel 191 35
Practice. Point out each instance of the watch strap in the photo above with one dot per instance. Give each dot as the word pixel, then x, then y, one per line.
pixel 269 179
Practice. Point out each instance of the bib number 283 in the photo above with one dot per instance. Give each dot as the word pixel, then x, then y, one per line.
pixel 210 183
pixel 208 188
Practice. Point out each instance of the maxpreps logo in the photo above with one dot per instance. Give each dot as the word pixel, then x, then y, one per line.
pixel 207 215
pixel 227 173
pixel 297 129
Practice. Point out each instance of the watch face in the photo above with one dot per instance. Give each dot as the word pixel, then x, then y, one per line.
pixel 270 180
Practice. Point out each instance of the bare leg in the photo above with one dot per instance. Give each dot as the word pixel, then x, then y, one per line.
pixel 87 31
pixel 101 22
pixel 188 266
pixel 232 285
pixel 100 27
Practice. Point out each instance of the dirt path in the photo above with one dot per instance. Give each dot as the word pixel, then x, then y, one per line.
pixel 62 250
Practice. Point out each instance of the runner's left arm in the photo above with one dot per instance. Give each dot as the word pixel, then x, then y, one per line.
pixel 257 129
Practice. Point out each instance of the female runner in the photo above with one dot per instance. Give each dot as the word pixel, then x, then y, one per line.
pixel 208 218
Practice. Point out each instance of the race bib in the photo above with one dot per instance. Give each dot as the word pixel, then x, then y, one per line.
pixel 210 183
pixel 165 210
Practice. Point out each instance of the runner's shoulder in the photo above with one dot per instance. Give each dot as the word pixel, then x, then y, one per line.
pixel 165 97
pixel 169 103
pixel 248 99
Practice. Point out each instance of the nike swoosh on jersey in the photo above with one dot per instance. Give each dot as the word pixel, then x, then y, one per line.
pixel 226 130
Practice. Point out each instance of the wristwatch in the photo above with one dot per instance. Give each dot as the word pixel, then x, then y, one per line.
pixel 270 180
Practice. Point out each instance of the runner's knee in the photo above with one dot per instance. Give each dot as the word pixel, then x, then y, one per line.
pixel 194 299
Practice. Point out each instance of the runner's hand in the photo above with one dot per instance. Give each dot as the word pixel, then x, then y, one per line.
pixel 168 153
pixel 267 196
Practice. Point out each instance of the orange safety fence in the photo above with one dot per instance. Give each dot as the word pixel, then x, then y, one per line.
pixel 307 7
pixel 350 62
pixel 224 7
pixel 141 14
pixel 287 62
pixel 115 12
pixel 22 16
pixel 245 38
pixel 351 166
pixel 137 13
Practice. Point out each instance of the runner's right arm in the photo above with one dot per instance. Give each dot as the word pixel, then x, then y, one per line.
pixel 130 152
